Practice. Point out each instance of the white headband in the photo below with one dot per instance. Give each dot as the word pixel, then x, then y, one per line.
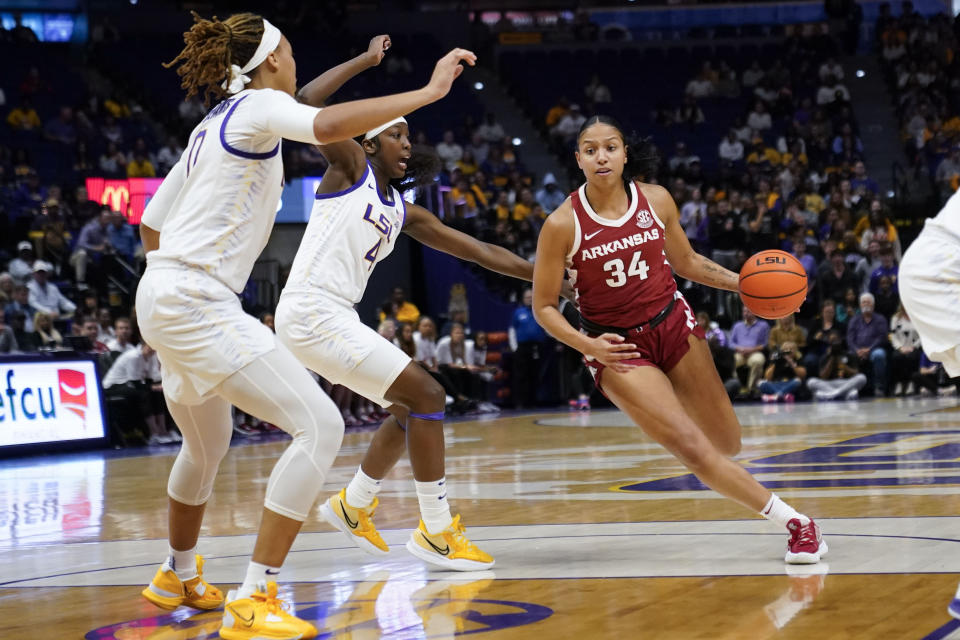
pixel 270 41
pixel 373 133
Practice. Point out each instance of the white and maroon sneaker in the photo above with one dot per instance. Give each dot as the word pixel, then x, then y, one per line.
pixel 806 545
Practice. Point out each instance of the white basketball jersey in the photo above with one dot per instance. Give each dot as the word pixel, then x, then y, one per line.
pixel 949 217
pixel 222 216
pixel 348 234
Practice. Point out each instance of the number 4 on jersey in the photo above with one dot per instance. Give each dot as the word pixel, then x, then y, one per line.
pixel 618 278
pixel 372 254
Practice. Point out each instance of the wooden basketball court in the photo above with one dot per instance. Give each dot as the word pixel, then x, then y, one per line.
pixel 597 533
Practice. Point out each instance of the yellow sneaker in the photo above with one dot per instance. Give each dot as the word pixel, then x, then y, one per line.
pixel 167 591
pixel 262 616
pixel 355 522
pixel 450 549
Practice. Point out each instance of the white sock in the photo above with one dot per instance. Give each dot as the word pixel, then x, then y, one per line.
pixel 434 508
pixel 256 573
pixel 776 510
pixel 184 563
pixel 362 489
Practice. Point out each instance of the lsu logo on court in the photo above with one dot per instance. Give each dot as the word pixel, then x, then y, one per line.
pixel 887 459
pixel 358 615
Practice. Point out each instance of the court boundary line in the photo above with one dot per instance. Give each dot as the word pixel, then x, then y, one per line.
pixel 445 575
pixel 478 526
pixel 9 584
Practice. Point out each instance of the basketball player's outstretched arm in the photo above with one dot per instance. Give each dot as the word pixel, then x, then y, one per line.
pixel 346 158
pixel 686 262
pixel 556 239
pixel 350 119
pixel 316 92
pixel 426 228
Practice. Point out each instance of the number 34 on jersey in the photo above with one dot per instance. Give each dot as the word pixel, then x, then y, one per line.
pixel 618 275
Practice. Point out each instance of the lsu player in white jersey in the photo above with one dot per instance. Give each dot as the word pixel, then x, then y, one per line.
pixel 354 225
pixel 203 231
pixel 929 281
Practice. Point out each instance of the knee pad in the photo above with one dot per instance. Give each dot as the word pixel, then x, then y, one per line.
pixel 298 476
pixel 319 433
pixel 192 476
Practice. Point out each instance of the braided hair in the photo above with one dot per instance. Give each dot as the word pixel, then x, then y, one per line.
pixel 210 47
pixel 642 157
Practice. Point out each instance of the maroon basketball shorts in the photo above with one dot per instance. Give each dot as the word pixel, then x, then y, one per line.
pixel 663 346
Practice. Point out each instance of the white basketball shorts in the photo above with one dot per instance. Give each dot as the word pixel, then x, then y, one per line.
pixel 328 337
pixel 200 332
pixel 929 282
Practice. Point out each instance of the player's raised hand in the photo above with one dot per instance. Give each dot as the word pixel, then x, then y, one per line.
pixel 448 69
pixel 610 349
pixel 377 49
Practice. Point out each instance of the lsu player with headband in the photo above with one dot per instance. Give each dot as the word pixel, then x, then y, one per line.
pixel 619 238
pixel 929 281
pixel 203 230
pixel 358 214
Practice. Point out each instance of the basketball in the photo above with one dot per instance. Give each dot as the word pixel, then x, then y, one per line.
pixel 773 284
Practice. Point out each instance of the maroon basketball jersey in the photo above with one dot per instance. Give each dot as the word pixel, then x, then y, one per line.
pixel 618 266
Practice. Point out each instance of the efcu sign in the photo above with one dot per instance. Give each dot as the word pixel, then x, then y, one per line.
pixel 129 196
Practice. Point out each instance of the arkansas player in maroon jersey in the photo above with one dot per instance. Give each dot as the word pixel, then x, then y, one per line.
pixel 619 237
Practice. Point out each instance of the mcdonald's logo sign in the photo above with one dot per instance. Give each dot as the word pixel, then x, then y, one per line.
pixel 129 197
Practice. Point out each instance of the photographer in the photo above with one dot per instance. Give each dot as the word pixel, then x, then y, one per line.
pixel 839 375
pixel 783 376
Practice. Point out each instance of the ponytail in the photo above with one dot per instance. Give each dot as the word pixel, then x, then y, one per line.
pixel 423 167
pixel 211 47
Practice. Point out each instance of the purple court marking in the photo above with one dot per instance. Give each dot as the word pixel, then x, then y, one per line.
pixel 838 451
pixel 690 482
pixel 488 613
pixel 835 458
pixel 943 632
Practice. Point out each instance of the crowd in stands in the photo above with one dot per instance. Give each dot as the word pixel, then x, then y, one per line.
pixel 788 173
pixel 918 57
pixel 492 195
pixel 792 177
pixel 68 264
pixel 453 355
